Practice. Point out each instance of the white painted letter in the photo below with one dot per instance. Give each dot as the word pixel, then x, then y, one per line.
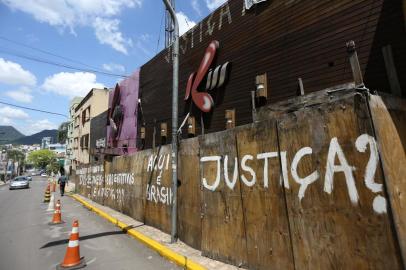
pixel 217 181
pixel 333 151
pixel 231 183
pixel 361 144
pixel 265 157
pixel 284 165
pixel 248 169
pixel 303 182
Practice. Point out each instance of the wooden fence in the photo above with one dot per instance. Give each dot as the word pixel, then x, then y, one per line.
pixel 320 186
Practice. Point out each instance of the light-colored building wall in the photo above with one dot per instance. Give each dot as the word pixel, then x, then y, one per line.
pixel 71 135
pixel 95 102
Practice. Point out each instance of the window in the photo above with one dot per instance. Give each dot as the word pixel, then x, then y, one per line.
pixel 76 121
pixel 84 141
pixel 85 115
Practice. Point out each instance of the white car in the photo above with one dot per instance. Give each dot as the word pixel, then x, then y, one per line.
pixel 19 182
pixel 44 174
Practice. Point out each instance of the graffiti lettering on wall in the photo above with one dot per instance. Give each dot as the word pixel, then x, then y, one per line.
pixel 90 175
pixel 120 178
pixel 214 22
pixel 335 152
pixel 156 192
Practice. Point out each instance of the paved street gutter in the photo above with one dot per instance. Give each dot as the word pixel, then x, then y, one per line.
pixel 164 251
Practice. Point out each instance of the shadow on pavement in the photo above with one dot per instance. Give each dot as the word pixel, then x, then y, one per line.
pixel 91 236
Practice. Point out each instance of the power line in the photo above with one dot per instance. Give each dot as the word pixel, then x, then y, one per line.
pixel 32 109
pixel 49 62
pixel 47 52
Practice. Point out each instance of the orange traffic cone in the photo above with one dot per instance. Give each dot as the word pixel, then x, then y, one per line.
pixel 53 186
pixel 47 196
pixel 57 218
pixel 72 258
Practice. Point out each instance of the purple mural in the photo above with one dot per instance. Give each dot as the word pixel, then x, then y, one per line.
pixel 122 116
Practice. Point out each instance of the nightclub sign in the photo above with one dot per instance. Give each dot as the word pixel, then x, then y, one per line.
pixel 214 77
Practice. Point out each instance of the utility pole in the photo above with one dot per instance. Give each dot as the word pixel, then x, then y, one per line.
pixel 175 62
pixel 169 26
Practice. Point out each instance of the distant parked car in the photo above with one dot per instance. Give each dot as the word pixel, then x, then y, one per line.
pixel 44 174
pixel 19 182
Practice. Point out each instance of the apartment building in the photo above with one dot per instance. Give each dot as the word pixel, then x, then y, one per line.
pixel 93 104
pixel 70 135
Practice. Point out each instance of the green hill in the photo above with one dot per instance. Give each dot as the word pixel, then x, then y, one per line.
pixel 37 137
pixel 9 134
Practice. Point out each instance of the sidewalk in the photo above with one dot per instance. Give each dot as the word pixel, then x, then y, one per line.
pixel 180 248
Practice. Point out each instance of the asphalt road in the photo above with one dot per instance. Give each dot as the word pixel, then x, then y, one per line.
pixel 28 242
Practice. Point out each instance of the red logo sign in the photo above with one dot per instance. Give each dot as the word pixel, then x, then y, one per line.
pixel 215 79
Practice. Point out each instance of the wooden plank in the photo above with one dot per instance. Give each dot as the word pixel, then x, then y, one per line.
pixel 136 201
pixel 389 118
pixel 265 213
pixel 157 181
pixel 97 179
pixel 109 186
pixel 223 228
pixel 391 70
pixel 337 218
pixel 189 194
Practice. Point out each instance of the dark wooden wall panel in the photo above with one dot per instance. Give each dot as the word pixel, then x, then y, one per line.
pixel 332 230
pixel 223 226
pixel 264 207
pixel 389 118
pixel 158 212
pixel 189 194
pixel 287 40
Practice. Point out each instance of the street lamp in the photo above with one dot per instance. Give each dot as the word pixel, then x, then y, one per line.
pixel 175 63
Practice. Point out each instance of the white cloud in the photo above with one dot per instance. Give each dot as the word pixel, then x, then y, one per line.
pixel 21 95
pixel 196 7
pixel 40 125
pixel 184 23
pixel 112 67
pixel 213 4
pixel 71 84
pixel 12 113
pixel 107 32
pixel 12 73
pixel 5 121
pixel 72 13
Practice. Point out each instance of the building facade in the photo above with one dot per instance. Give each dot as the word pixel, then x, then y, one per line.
pixel 70 135
pixel 45 142
pixel 93 104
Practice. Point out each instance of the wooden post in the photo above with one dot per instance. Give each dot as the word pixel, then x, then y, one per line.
pixel 191 126
pixel 254 110
pixel 261 82
pixel 230 118
pixel 355 66
pixel 202 123
pixel 154 135
pixel 301 87
pixel 391 71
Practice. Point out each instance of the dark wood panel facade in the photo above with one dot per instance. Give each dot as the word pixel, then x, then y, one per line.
pixel 286 40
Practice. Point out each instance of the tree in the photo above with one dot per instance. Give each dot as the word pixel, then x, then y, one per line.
pixel 63 132
pixel 53 166
pixel 17 155
pixel 41 158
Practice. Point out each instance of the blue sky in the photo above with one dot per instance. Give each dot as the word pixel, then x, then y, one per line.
pixel 115 36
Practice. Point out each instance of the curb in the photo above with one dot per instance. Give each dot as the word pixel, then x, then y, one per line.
pixel 161 249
